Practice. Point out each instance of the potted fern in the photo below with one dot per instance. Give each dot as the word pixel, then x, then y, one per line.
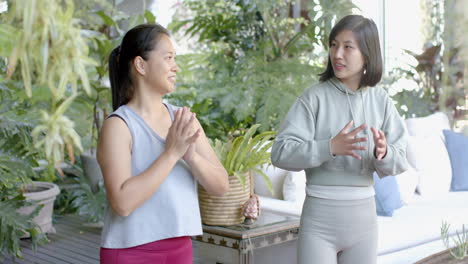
pixel 240 156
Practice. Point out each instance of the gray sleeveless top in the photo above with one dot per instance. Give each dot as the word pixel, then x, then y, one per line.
pixel 172 211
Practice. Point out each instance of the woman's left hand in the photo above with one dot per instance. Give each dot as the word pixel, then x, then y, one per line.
pixel 380 143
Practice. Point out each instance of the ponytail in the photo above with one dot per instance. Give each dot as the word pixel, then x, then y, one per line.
pixel 119 76
pixel 115 83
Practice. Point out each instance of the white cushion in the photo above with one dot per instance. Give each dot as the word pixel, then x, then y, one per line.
pixel 276 176
pixel 428 126
pixel 407 182
pixel 280 207
pixel 294 186
pixel 427 153
pixel 429 156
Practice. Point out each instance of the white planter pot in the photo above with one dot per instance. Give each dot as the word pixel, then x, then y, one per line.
pixel 42 193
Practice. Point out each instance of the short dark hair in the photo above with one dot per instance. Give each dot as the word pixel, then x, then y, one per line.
pixel 138 41
pixel 367 36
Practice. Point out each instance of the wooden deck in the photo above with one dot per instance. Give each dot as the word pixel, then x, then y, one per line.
pixel 73 243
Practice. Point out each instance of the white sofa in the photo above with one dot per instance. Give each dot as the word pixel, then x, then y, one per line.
pixel 413 232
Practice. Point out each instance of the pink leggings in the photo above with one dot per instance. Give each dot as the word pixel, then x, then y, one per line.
pixel 176 250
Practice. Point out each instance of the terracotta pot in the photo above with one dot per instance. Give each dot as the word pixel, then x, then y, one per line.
pixel 42 193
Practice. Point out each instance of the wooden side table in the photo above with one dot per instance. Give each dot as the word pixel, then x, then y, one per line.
pixel 271 239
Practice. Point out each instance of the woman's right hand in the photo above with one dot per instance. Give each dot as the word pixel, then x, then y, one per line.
pixel 344 142
pixel 181 133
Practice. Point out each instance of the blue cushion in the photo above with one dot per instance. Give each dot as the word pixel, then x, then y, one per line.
pixel 457 147
pixel 387 195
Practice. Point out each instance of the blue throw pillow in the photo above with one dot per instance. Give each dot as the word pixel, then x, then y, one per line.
pixel 387 195
pixel 457 148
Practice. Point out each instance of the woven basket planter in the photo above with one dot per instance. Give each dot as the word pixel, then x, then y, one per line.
pixel 225 210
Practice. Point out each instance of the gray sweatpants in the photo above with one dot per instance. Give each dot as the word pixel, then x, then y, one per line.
pixel 336 231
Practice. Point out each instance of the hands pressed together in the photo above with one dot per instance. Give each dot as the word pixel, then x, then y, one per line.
pixel 346 142
pixel 183 134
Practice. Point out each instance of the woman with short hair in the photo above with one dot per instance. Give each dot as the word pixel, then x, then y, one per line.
pixel 340 131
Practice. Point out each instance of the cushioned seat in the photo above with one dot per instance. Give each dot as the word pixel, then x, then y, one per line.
pixel 419 222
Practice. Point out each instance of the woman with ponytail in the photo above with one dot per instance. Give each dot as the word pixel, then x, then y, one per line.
pixel 152 155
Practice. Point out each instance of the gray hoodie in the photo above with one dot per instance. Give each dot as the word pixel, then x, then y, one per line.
pixel 319 114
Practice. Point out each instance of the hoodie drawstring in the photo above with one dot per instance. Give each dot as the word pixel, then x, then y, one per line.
pixel 369 151
pixel 365 122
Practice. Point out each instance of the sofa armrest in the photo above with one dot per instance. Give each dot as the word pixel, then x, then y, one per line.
pixel 281 207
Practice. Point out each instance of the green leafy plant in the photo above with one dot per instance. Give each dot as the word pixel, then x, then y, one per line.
pixel 44 41
pixel 236 93
pixel 89 204
pixel 438 72
pixel 13 225
pixel 36 39
pixel 265 25
pixel 78 197
pixel 246 153
pixel 429 75
pixel 460 250
pixel 252 58
pixel 17 158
